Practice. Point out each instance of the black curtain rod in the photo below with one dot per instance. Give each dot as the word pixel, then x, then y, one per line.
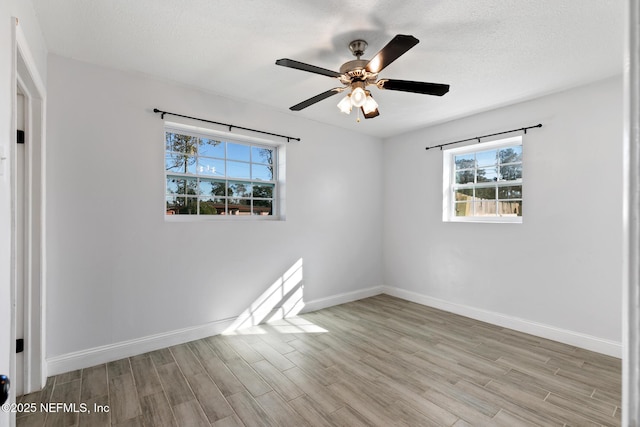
pixel 162 113
pixel 539 125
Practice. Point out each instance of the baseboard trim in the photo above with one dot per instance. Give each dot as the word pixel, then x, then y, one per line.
pixel 342 298
pixel 565 336
pixel 108 353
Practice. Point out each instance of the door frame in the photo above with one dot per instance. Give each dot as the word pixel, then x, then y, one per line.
pixel 25 75
pixel 631 222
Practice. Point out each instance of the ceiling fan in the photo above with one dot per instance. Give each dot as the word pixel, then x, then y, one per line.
pixel 358 74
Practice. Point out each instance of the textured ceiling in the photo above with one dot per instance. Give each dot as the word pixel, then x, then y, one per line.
pixel 491 52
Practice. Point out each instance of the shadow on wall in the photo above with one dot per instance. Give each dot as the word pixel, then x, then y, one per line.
pixel 283 299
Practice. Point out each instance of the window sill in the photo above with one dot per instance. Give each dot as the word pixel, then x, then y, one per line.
pixel 221 218
pixel 480 219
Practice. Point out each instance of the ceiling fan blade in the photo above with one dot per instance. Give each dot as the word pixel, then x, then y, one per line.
pixel 290 63
pixel 317 98
pixel 425 88
pixel 392 51
pixel 371 115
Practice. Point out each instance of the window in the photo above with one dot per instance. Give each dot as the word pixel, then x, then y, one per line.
pixel 483 182
pixel 207 175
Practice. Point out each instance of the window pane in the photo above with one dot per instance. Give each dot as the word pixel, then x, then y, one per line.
pixel 464 177
pixel 181 143
pixel 174 204
pixel 212 206
pixel 191 207
pixel 191 165
pixel 191 186
pixel 238 170
pixel 463 208
pixel 177 185
pixel 263 190
pixel 262 155
pixel 174 184
pixel 239 206
pixel 263 207
pixel 486 193
pixel 212 187
pixel 461 195
pixel 465 161
pixel 513 192
pixel 181 206
pixel 513 208
pixel 487 175
pixel 238 151
pixel 239 189
pixel 211 148
pixel 511 154
pixel 511 172
pixel 487 158
pixel 179 163
pixel 210 167
pixel 262 172
pixel 487 208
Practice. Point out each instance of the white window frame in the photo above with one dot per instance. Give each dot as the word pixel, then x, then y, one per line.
pixel 448 168
pixel 278 209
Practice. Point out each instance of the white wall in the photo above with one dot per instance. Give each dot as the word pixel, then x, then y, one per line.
pixel 558 273
pixel 118 271
pixel 29 26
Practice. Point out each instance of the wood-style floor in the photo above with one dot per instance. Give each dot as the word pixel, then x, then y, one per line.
pixel 380 361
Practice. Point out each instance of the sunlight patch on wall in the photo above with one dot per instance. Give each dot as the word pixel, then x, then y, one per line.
pixel 277 307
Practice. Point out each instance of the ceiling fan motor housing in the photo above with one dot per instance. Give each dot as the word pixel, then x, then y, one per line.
pixel 354 70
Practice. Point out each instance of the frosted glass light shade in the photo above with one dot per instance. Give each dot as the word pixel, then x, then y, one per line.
pixel 370 105
pixel 358 97
pixel 345 105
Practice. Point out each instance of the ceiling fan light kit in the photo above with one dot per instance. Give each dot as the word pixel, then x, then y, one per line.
pixel 345 104
pixel 370 104
pixel 357 74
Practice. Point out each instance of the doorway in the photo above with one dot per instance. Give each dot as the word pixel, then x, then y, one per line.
pixel 27 223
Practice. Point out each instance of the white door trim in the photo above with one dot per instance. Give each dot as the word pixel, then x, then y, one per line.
pixel 631 223
pixel 25 74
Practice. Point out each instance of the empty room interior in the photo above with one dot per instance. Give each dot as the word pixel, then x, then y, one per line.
pixel 230 213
